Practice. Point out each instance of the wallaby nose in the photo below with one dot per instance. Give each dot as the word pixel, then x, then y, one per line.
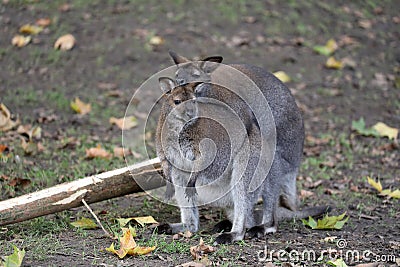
pixel 180 81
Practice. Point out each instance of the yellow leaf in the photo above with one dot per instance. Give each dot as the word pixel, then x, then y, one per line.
pixel 65 42
pixel 15 259
pixel 331 45
pixel 281 75
pixel 141 250
pixel 20 40
pixel 97 152
pixel 332 63
pixel 128 246
pixel 395 194
pixel 156 40
pixel 84 223
pixel 124 123
pixel 144 220
pixel 80 107
pixel 376 185
pixel 30 29
pixel 385 130
pixel 6 123
pixel 385 192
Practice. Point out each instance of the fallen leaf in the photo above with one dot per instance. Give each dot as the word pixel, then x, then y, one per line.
pixel 360 128
pixel 124 123
pixel 29 147
pixel 305 194
pixel 43 22
pixel 186 234
pixel 330 239
pixel 386 131
pixel 328 49
pixel 80 107
pixel 65 42
pixel 30 29
pixel 128 246
pixel 337 263
pixel 365 23
pixel 3 148
pixel 376 185
pixel 281 75
pixel 156 40
pixel 20 40
pixel 121 152
pixel 29 131
pixel 97 152
pixel 85 223
pixel 24 183
pixel 332 63
pixel 198 251
pixel 144 220
pixel 395 194
pixel 327 222
pixel 15 259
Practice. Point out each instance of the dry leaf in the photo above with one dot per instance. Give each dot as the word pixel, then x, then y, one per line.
pixel 198 251
pixel 305 194
pixel 29 131
pixel 85 223
pixel 24 183
pixel 20 40
pixel 144 220
pixel 386 131
pixel 332 63
pixel 65 42
pixel 97 152
pixel 29 147
pixel 128 246
pixel 281 75
pixel 124 123
pixel 6 123
pixel 121 152
pixel 43 22
pixel 376 185
pixel 30 29
pixel 156 40
pixel 80 107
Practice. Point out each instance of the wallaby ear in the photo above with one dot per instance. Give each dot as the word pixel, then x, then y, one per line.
pixel 216 59
pixel 166 84
pixel 177 58
pixel 210 64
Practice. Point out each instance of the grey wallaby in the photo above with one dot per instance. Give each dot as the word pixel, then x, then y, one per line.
pixel 189 116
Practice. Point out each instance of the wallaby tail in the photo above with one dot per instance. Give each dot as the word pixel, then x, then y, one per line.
pixel 285 214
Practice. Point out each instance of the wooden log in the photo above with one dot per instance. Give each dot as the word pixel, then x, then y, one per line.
pixel 93 189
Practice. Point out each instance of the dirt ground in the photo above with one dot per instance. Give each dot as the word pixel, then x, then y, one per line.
pixel 119 44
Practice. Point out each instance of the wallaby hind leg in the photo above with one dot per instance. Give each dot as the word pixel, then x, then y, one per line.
pixel 288 198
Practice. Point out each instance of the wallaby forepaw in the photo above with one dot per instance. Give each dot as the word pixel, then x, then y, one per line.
pixel 190 192
pixel 165 228
pixel 224 238
pixel 222 226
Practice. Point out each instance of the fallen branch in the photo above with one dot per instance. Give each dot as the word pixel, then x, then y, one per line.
pixel 69 195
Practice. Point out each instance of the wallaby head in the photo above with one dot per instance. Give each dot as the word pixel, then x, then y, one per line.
pixel 190 71
pixel 175 96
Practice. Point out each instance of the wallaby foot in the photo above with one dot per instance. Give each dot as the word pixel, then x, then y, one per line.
pixel 228 238
pixel 222 226
pixel 174 228
pixel 260 231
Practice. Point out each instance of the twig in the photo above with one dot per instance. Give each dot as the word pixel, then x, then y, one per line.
pixel 97 219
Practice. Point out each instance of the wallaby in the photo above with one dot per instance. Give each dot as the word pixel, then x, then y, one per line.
pixel 278 191
pixel 182 125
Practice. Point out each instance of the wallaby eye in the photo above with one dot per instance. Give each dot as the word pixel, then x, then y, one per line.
pixel 177 101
